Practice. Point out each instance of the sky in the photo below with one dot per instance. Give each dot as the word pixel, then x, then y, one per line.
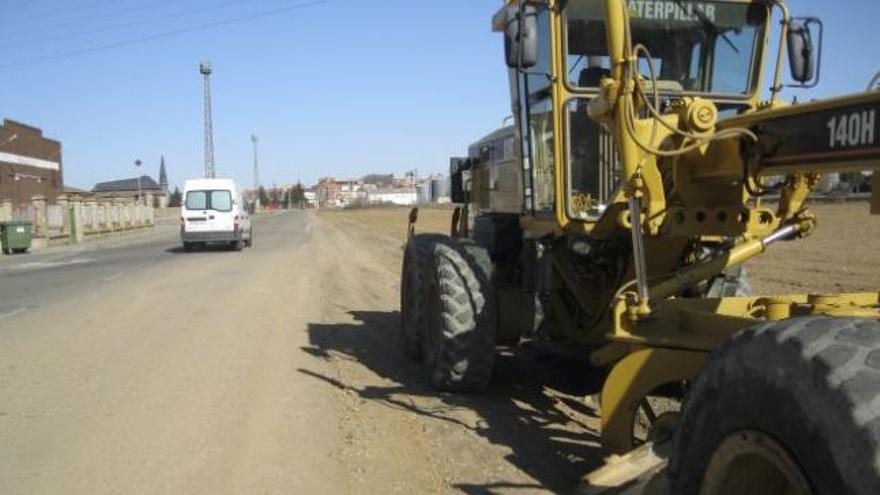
pixel 331 87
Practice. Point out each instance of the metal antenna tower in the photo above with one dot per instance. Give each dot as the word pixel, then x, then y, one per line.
pixel 205 69
pixel 256 165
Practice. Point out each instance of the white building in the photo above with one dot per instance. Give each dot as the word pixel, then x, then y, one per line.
pixel 402 197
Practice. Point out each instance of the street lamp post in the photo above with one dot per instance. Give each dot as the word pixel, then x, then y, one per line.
pixel 137 168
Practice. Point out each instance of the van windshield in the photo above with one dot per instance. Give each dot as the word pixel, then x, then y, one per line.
pixel 209 200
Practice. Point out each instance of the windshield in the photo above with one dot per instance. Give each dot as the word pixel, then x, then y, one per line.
pixel 695 47
pixel 209 200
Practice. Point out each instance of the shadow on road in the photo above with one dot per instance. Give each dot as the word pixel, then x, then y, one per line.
pixel 210 248
pixel 528 407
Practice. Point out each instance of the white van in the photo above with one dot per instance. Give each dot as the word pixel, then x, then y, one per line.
pixel 213 210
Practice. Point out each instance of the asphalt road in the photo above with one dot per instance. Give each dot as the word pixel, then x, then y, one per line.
pixel 37 279
pixel 136 368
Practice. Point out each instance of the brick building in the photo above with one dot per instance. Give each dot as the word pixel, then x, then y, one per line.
pixel 30 164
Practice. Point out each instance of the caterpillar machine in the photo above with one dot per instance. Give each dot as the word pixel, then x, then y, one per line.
pixel 645 164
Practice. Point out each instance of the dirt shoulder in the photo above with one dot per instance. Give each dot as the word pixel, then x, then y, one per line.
pixel 531 432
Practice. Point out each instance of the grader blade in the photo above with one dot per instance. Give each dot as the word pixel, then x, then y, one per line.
pixel 641 471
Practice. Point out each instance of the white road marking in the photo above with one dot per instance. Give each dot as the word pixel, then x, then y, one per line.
pixel 114 277
pixel 36 265
pixel 12 313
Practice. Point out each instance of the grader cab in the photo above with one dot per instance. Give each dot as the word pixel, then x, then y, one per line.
pixel 644 166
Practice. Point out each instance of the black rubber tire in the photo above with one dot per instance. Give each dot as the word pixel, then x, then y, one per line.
pixel 237 245
pixel 810 383
pixel 462 316
pixel 416 255
pixel 250 241
pixel 187 247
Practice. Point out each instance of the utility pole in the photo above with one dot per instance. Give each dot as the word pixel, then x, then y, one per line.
pixel 205 69
pixel 254 140
pixel 137 168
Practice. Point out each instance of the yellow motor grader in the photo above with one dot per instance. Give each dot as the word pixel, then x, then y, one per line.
pixel 646 162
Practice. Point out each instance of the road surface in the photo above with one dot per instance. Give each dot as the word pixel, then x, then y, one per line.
pixel 137 368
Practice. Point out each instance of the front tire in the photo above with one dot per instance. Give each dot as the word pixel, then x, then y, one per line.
pixel 462 316
pixel 787 405
pixel 416 256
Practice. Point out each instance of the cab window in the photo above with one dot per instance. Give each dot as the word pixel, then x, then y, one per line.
pixel 537 129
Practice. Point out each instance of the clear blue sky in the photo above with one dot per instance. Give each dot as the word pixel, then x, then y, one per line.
pixel 341 88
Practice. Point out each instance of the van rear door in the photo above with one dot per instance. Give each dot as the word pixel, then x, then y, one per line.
pixel 195 212
pixel 209 210
pixel 221 212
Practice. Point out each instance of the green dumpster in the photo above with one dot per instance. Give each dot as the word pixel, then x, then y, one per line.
pixel 15 236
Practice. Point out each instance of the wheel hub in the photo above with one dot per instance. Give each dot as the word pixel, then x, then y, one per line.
pixel 755 463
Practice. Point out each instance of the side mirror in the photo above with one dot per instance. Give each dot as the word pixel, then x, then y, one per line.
pixel 803 56
pixel 521 37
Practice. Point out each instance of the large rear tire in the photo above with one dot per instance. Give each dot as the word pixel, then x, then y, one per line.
pixel 416 256
pixel 788 407
pixel 462 316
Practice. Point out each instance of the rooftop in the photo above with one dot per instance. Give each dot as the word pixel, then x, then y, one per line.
pixel 127 185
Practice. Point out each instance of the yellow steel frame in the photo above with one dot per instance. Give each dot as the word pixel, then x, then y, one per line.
pixel 632 379
pixel 673 342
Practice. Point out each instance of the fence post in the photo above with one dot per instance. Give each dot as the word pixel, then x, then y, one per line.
pixel 92 205
pixel 76 224
pixel 104 205
pixel 64 206
pixel 116 213
pixel 6 211
pixel 148 205
pixel 40 221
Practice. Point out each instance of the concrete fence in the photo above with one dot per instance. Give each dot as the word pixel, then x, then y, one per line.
pixel 74 218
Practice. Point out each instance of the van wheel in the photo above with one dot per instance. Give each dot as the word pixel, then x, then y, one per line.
pixel 237 245
pixel 187 247
pixel 250 241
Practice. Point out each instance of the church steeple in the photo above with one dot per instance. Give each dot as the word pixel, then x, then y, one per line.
pixel 163 177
